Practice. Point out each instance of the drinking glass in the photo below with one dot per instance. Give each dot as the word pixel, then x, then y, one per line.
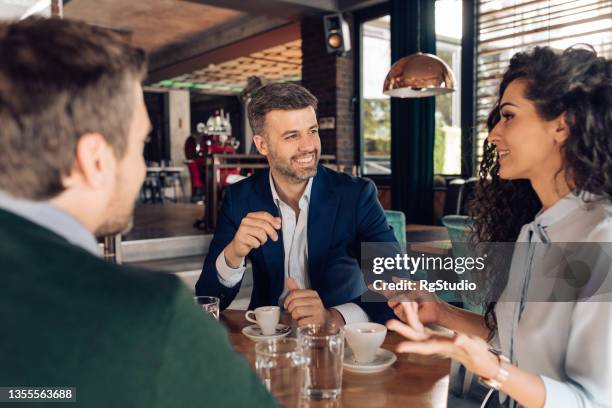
pixel 209 304
pixel 280 365
pixel 324 347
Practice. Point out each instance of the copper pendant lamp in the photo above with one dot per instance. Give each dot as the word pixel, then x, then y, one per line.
pixel 419 75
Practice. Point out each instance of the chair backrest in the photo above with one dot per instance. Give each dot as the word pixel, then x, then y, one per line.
pixel 458 194
pixel 194 173
pixel 397 221
pixel 459 228
pixel 191 148
pixel 468 193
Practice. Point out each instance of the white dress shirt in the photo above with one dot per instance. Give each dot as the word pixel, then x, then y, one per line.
pixel 569 343
pixel 295 245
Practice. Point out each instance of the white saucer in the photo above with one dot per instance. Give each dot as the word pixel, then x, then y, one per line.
pixel 384 358
pixel 253 332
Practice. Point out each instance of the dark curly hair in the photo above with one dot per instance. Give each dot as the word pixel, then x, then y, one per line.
pixel 578 83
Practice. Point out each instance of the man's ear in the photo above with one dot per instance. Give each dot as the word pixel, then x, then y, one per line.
pixel 561 129
pixel 261 144
pixel 94 164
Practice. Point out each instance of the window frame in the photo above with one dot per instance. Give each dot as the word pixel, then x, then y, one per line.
pixel 454 46
pixel 361 17
pixel 532 23
pixel 466 76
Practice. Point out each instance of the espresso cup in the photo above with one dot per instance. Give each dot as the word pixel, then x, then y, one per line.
pixel 266 317
pixel 365 339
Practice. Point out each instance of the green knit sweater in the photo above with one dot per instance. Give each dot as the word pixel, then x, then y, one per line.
pixel 121 336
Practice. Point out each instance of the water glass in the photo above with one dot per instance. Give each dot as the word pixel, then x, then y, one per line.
pixel 209 304
pixel 280 364
pixel 324 347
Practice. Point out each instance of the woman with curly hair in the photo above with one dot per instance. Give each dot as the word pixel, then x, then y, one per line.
pixel 546 177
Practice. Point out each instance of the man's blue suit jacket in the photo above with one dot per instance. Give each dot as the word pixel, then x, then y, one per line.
pixel 343 212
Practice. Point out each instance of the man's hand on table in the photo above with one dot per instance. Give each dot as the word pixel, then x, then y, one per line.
pixel 306 306
pixel 255 229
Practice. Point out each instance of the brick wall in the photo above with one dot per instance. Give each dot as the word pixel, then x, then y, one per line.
pixel 330 78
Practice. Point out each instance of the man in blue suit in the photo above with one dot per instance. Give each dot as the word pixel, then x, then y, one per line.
pixel 300 224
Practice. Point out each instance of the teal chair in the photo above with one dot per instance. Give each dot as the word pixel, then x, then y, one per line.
pixel 463 382
pixel 397 221
pixel 459 228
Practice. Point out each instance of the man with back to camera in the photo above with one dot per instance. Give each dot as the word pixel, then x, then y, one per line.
pixel 73 129
pixel 299 223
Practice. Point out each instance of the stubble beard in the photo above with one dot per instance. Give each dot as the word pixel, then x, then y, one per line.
pixel 286 170
pixel 120 219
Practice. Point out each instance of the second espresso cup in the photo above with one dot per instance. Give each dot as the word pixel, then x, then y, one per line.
pixel 266 317
pixel 365 339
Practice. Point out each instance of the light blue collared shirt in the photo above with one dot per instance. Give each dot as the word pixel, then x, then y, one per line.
pixel 569 343
pixel 52 218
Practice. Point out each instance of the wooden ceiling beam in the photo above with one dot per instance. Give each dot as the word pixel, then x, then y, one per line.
pixel 243 47
pixel 289 9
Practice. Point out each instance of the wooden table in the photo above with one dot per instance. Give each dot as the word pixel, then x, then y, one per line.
pixel 428 239
pixel 442 247
pixel 425 233
pixel 412 381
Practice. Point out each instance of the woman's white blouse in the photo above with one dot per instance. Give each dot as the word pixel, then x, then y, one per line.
pixel 569 344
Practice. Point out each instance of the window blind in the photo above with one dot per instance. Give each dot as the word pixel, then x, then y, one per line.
pixel 506 27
